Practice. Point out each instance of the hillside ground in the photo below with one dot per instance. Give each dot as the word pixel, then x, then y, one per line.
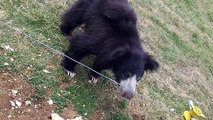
pixel 179 34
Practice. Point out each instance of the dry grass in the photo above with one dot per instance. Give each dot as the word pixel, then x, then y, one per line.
pixel 178 33
pixel 184 72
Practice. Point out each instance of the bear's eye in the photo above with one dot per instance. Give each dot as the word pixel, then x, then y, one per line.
pixel 111 14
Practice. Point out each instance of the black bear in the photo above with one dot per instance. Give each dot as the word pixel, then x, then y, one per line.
pixel 111 35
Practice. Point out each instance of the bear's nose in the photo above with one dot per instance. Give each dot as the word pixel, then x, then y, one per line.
pixel 128 87
pixel 128 95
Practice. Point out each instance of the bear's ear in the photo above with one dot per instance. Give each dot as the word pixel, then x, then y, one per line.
pixel 150 63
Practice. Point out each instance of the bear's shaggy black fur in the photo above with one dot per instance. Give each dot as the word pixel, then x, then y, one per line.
pixel 111 35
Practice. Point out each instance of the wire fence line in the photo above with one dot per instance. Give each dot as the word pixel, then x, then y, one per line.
pixel 54 50
pixel 32 39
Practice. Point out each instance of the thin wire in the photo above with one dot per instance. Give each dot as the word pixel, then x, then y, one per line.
pixel 57 51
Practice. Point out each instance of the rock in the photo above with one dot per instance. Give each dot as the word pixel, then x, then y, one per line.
pixel 36 106
pixel 11 59
pixel 77 118
pixel 7 47
pixel 55 116
pixel 14 92
pixel 50 102
pixel 27 102
pixel 46 71
pixel 172 109
pixel 6 64
pixel 18 104
pixel 12 103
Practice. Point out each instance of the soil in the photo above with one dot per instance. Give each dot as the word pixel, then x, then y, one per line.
pixel 98 115
pixel 37 110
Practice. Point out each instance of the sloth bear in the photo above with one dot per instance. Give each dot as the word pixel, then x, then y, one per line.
pixel 111 35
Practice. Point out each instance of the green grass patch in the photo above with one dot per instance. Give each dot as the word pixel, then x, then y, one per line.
pixel 61 99
pixel 172 36
pixel 210 16
pixel 83 97
pixel 118 116
pixel 170 99
pixel 122 104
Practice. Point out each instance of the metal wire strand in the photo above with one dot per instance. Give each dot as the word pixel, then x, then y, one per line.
pixel 60 53
pixel 56 51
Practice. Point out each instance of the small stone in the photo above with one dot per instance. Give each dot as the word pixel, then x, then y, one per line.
pixel 55 116
pixel 18 104
pixel 6 64
pixel 36 106
pixel 27 102
pixel 12 103
pixel 11 59
pixel 77 118
pixel 14 92
pixel 50 102
pixel 46 71
pixel 7 47
pixel 85 114
pixel 172 110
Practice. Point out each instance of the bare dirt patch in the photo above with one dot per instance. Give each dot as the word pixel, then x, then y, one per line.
pixel 97 115
pixel 68 112
pixel 13 88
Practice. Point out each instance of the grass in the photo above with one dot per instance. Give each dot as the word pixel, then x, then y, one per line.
pixel 178 33
pixel 119 116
